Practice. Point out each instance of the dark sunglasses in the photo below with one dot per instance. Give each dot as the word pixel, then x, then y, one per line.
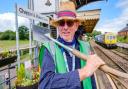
pixel 62 23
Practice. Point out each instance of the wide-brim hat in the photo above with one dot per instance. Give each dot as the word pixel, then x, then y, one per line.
pixel 66 10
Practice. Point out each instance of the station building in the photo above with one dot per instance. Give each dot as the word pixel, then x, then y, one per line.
pixel 124 31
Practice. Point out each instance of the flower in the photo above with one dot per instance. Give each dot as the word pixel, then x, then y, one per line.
pixel 26 77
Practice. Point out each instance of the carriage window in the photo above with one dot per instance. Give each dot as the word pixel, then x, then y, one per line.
pixel 111 37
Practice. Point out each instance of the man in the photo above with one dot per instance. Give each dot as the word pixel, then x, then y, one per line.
pixel 60 69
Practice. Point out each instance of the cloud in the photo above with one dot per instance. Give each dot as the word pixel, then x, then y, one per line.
pixel 117 23
pixel 122 4
pixel 7 21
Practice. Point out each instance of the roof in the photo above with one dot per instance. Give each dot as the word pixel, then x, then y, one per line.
pixel 124 29
pixel 89 18
pixel 80 3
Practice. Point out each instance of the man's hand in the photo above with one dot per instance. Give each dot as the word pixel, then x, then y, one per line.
pixel 93 63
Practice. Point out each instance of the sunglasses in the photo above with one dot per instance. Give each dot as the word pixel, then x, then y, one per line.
pixel 69 23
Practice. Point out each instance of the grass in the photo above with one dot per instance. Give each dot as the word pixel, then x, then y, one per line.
pixel 122 39
pixel 6 44
pixel 25 56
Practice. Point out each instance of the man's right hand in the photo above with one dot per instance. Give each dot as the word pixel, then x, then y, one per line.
pixel 93 63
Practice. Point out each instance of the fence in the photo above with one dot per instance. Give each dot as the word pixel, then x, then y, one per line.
pixel 8 73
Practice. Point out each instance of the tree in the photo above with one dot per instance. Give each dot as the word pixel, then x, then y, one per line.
pixel 7 35
pixel 1 33
pixel 23 33
pixel 94 33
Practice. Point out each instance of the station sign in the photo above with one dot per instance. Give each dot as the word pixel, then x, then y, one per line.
pixel 31 15
pixel 38 33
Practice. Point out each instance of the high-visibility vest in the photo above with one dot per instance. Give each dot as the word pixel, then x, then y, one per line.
pixel 58 57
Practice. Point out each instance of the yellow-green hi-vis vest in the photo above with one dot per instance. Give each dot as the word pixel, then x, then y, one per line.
pixel 59 59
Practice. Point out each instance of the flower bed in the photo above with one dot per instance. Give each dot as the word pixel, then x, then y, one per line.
pixel 27 78
pixel 33 86
pixel 7 57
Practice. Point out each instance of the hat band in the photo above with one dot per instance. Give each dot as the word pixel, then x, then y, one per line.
pixel 66 13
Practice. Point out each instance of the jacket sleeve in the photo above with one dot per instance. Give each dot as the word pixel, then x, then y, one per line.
pixel 51 80
pixel 93 82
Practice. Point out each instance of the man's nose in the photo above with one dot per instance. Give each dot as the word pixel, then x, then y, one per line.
pixel 65 26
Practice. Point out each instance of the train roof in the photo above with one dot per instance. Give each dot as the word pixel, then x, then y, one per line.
pixel 109 33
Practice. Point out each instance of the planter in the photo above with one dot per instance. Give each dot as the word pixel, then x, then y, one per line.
pixel 6 61
pixel 34 86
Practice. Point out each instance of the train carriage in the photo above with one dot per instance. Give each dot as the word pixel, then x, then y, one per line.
pixel 107 40
pixel 110 40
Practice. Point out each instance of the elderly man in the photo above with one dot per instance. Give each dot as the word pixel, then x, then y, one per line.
pixel 61 69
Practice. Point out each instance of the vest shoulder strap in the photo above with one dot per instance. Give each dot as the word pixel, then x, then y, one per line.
pixel 85 47
pixel 51 48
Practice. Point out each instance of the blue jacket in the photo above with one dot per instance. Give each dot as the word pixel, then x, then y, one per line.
pixel 51 80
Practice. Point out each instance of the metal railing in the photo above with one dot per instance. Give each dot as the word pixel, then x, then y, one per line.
pixel 7 80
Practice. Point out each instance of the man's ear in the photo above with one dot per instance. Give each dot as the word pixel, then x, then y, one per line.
pixel 77 24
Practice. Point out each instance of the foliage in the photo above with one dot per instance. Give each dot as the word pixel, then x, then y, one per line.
pixel 126 40
pixel 23 33
pixel 7 35
pixel 7 54
pixel 122 39
pixel 1 33
pixel 26 77
pixel 10 35
pixel 21 72
pixel 94 33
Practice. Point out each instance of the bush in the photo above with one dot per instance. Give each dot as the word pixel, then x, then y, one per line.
pixel 7 54
pixel 8 35
pixel 126 40
pixel 122 39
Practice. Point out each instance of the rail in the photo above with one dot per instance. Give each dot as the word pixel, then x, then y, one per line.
pixel 13 50
pixel 104 53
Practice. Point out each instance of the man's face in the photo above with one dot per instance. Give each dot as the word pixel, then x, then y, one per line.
pixel 67 29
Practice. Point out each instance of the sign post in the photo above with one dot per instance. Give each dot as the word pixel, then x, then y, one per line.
pixel 17 37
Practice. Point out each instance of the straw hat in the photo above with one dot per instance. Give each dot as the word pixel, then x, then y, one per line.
pixel 66 10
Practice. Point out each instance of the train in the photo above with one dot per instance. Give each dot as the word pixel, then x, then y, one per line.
pixel 107 40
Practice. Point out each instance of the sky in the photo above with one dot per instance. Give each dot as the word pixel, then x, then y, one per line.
pixel 113 17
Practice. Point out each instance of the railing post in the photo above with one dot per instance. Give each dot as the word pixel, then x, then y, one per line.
pixel 9 76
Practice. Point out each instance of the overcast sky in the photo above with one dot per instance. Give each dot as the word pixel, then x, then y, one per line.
pixel 114 14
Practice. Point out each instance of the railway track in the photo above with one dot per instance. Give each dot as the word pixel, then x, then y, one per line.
pixel 115 59
pixel 123 55
pixel 103 82
pixel 116 62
